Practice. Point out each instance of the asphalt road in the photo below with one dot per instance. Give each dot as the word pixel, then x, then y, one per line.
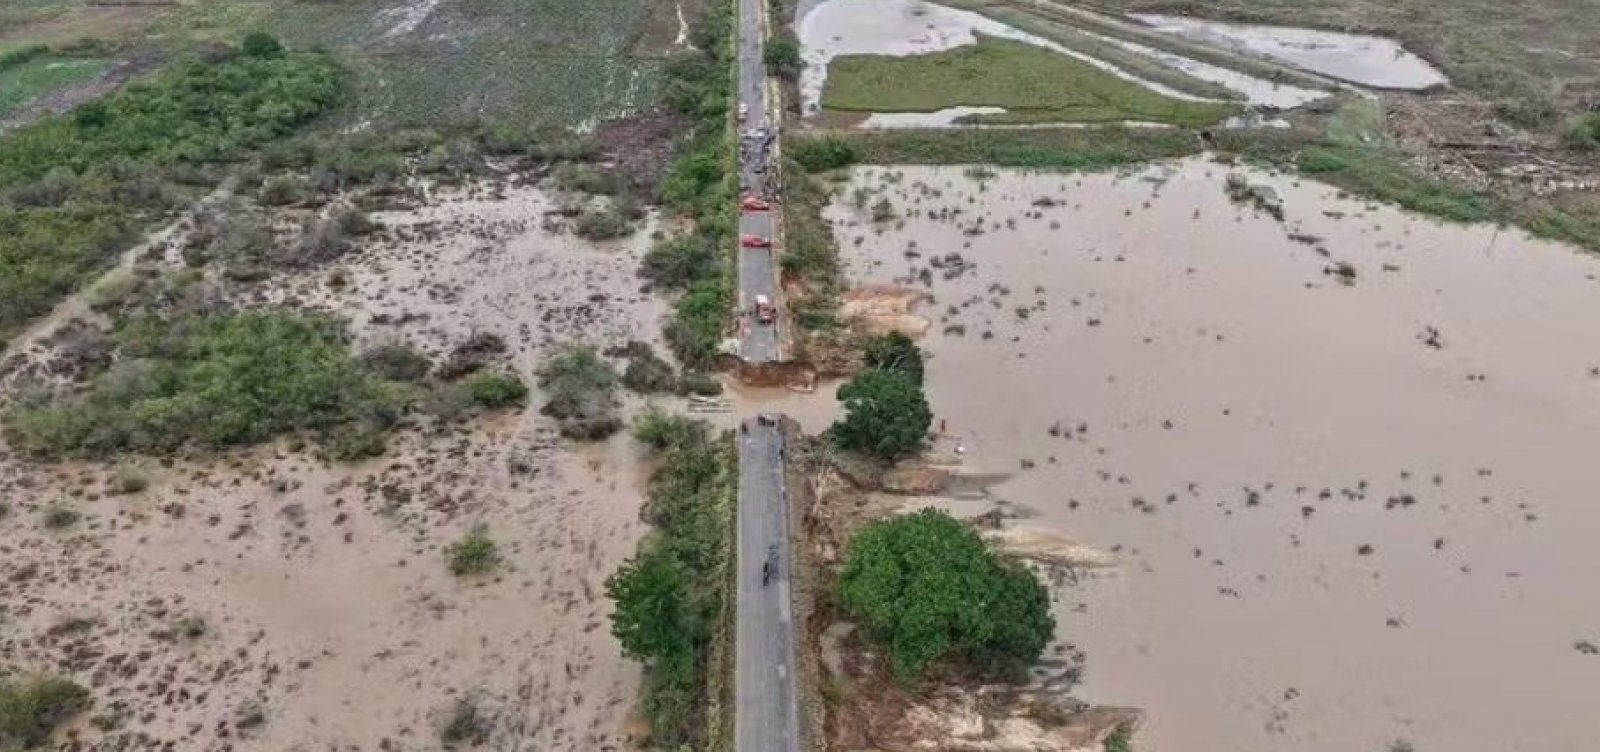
pixel 767 710
pixel 758 343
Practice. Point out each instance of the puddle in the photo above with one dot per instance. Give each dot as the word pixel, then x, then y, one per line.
pixel 944 118
pixel 1257 91
pixel 1360 59
pixel 832 28
pixel 1346 513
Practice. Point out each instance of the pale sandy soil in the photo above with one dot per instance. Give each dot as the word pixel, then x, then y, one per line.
pixel 330 620
pixel 1344 514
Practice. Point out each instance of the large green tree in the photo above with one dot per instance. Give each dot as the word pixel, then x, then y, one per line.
pixel 886 414
pixel 895 352
pixel 653 618
pixel 929 588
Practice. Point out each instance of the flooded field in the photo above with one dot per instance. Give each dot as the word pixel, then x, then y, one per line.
pixel 1342 458
pixel 1357 58
pixel 264 599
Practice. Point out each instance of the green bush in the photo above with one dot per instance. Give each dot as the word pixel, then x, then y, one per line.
pixel 696 328
pixel 261 44
pixel 1315 161
pixel 495 389
pixel 396 362
pixel 896 353
pixel 467 724
pixel 217 380
pixel 474 554
pixel 57 517
pixel 782 57
pixel 822 154
pixel 1584 133
pixel 662 430
pixel 930 589
pixel 886 415
pixel 679 262
pixel 32 706
pixel 580 178
pixel 580 388
pixel 602 224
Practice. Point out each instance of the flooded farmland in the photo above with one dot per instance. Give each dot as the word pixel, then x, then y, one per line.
pixel 1342 458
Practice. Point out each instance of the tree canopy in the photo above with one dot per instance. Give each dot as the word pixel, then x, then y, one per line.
pixel 886 414
pixel 895 352
pixel 929 588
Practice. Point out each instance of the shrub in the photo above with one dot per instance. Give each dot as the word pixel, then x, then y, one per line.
pixel 782 57
pixel 216 379
pixel 1584 133
pixel 578 383
pixel 930 589
pixel 1118 741
pixel 680 262
pixel 581 178
pixel 127 480
pixel 32 706
pixel 697 324
pixel 886 415
pixel 495 389
pixel 663 430
pixel 283 190
pixel 467 724
pixel 602 224
pixel 823 154
pixel 396 362
pixel 646 373
pixel 1317 160
pixel 261 44
pixel 474 554
pixel 57 517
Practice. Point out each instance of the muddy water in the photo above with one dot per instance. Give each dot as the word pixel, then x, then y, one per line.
pixel 1345 513
pixel 1357 58
pixel 831 28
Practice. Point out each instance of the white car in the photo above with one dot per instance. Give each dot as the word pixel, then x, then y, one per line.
pixel 744 111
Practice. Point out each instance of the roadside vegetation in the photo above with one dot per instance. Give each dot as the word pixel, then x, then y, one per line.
pixel 932 591
pixel 672 600
pixel 1033 84
pixel 703 187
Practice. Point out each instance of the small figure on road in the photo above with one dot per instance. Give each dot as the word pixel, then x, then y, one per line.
pixel 766 573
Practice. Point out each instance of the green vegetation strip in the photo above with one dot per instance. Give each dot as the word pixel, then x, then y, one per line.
pixel 1060 148
pixel 673 598
pixel 1033 84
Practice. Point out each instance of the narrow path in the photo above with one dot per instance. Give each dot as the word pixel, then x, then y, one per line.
pixel 767 712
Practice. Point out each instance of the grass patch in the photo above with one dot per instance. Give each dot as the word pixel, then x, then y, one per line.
pixel 475 553
pixel 26 82
pixel 213 380
pixel 1033 84
pixel 1051 148
pixel 32 706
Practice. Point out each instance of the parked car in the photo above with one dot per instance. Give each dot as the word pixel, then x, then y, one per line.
pixel 744 111
pixel 754 203
pixel 755 241
pixel 765 313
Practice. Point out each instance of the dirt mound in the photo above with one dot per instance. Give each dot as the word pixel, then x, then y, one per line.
pixel 884 309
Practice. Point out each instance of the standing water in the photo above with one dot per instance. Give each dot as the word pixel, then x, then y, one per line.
pixel 1344 459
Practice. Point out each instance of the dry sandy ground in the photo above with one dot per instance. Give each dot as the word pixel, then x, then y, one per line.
pixel 1346 513
pixel 261 600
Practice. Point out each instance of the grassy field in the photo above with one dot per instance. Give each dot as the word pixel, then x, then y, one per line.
pixel 415 62
pixel 1033 84
pixel 29 73
pixel 1054 148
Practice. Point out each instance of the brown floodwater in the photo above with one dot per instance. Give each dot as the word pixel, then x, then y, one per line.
pixel 1347 511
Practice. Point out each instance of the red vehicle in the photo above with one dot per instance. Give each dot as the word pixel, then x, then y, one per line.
pixel 755 241
pixel 754 203
pixel 764 310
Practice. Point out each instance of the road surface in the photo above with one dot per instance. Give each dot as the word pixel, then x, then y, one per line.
pixel 767 710
pixel 758 275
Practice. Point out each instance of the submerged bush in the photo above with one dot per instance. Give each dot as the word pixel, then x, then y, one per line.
pixel 474 554
pixel 32 706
